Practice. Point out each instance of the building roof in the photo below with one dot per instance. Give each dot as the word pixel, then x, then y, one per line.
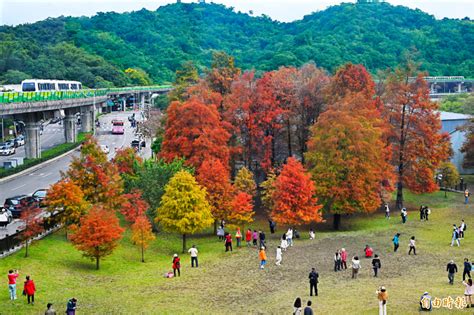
pixel 453 116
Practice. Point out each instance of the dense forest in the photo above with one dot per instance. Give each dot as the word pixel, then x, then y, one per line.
pixel 99 50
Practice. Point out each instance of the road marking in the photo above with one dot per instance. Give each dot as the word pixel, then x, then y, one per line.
pixel 45 175
pixel 18 187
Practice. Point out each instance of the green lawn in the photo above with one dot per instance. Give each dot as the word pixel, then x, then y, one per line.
pixel 231 283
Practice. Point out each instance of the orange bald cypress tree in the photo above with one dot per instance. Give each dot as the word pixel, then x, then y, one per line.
pixel 294 199
pixel 98 233
pixel 142 234
pixel 213 176
pixel 133 205
pixel 194 132
pixel 242 209
pixel 418 145
pixel 124 159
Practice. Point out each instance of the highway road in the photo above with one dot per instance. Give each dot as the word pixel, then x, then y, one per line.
pixel 44 177
pixel 53 134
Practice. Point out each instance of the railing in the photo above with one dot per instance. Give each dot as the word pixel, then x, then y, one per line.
pixel 24 97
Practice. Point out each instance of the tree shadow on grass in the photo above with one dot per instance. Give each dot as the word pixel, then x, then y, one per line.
pixel 82 264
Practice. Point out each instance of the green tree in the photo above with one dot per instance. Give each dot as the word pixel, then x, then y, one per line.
pixel 138 76
pixel 449 176
pixel 244 182
pixel 184 208
pixel 186 76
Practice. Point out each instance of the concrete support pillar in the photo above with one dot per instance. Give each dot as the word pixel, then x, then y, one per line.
pixel 70 129
pixel 459 87
pixel 142 101
pixel 87 118
pixel 32 136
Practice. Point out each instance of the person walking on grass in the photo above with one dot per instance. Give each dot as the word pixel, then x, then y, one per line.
pixel 343 258
pixel 422 213
pixel 176 265
pixel 29 290
pixel 283 243
pixel 396 242
pixel 71 307
pixel 297 306
pixel 238 237
pixel 427 213
pixel 466 196
pixel 278 256
pixel 248 237
pixel 311 234
pixel 455 236
pixel 467 269
pixel 355 266
pixel 50 310
pixel 451 268
pixel 289 237
pixel 228 242
pixel 369 252
pixel 263 257
pixel 387 211
pixel 255 238
pixel 261 238
pixel 272 226
pixel 194 256
pixel 404 215
pixel 313 282
pixel 462 228
pixel 337 261
pixel 468 292
pixel 12 276
pixel 220 233
pixel 308 310
pixel 382 296
pixel 412 246
pixel 376 264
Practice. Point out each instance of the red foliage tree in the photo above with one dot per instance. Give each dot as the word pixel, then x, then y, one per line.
pixel 351 79
pixel 241 209
pixel 98 233
pixel 418 145
pixel 125 159
pixel 294 201
pixel 133 206
pixel 216 179
pixel 32 224
pixel 194 132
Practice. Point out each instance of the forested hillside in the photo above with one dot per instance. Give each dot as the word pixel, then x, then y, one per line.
pixel 98 50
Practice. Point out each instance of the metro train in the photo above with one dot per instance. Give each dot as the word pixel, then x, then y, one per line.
pixel 36 85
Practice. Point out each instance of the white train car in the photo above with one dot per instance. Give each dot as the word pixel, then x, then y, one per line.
pixel 36 85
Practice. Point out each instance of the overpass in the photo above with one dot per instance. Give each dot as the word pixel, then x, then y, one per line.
pixel 446 85
pixel 33 107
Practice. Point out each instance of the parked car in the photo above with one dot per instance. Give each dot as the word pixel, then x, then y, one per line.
pixel 105 148
pixel 39 195
pixel 7 149
pixel 19 141
pixel 55 120
pixel 137 144
pixel 18 203
pixel 5 217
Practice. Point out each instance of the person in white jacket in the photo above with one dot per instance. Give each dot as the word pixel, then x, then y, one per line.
pixel 278 256
pixel 355 267
pixel 289 237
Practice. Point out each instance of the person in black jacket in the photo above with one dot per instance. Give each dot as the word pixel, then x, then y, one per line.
pixel 313 282
pixel 261 237
pixel 467 269
pixel 376 264
pixel 451 268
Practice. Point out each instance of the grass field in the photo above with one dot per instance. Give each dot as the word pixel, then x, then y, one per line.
pixel 231 283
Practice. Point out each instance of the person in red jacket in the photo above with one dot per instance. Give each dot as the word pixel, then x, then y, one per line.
pixel 176 265
pixel 228 242
pixel 248 237
pixel 369 252
pixel 29 290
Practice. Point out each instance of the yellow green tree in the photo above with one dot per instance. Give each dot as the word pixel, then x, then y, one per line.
pixel 245 182
pixel 268 187
pixel 184 208
pixel 138 76
pixel 449 176
pixel 142 234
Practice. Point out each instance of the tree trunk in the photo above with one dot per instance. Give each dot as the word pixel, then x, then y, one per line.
pixel 184 243
pixel 288 127
pixel 26 248
pixel 143 254
pixel 97 263
pixel 215 227
pixel 336 221
pixel 445 193
pixel 399 195
pixel 401 161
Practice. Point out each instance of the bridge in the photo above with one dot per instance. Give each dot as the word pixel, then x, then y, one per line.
pixel 447 85
pixel 33 107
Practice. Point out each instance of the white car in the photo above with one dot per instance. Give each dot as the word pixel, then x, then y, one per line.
pixel 104 148
pixel 7 149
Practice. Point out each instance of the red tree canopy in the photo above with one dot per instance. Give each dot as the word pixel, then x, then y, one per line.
pixel 352 79
pixel 124 159
pixel 194 132
pixel 98 233
pixel 134 205
pixel 242 209
pixel 294 201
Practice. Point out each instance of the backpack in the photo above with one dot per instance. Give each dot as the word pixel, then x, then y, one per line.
pixel 465 227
